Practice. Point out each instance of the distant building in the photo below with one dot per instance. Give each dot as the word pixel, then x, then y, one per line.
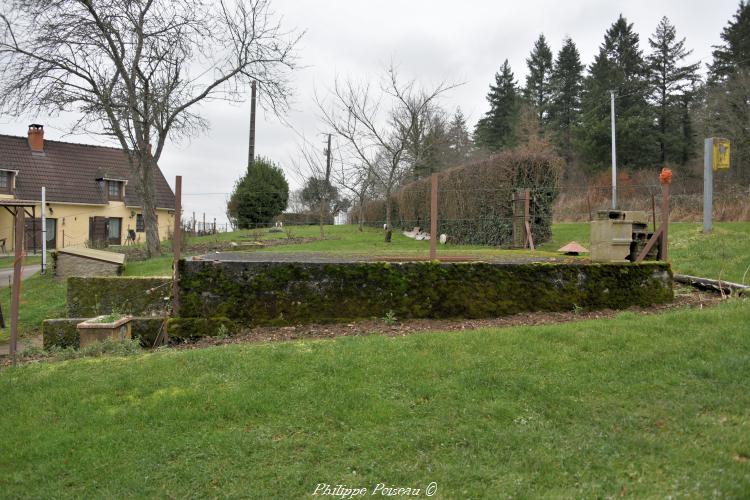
pixel 91 193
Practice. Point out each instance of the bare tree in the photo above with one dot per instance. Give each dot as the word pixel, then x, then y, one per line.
pixel 384 129
pixel 356 178
pixel 315 172
pixel 135 69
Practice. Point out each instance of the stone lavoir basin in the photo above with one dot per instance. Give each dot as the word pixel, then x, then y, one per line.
pixel 103 328
pixel 261 288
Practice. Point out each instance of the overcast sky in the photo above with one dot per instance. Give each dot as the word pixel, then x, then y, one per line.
pixel 431 40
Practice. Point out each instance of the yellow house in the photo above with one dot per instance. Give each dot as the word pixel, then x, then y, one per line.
pixel 91 194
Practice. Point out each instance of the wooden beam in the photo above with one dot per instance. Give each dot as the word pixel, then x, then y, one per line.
pixel 528 238
pixel 650 244
pixel 721 286
pixel 433 216
pixel 15 293
pixel 665 223
pixel 176 248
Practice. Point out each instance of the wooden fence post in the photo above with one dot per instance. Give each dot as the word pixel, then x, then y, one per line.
pixel 15 294
pixel 176 251
pixel 433 217
pixel 665 222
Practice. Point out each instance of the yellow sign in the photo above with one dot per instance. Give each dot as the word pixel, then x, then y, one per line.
pixel 721 154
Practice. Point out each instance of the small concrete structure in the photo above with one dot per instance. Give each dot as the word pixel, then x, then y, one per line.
pixel 80 261
pixel 93 330
pixel 618 235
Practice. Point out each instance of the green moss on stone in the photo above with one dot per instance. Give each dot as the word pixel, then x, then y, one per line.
pixel 103 295
pixel 63 332
pixel 195 328
pixel 268 293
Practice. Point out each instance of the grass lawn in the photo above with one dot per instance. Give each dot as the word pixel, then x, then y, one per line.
pixel 653 406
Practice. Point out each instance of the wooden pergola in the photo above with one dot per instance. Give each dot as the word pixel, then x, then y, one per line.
pixel 12 206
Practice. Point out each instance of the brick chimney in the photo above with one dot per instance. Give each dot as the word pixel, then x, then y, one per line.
pixel 36 138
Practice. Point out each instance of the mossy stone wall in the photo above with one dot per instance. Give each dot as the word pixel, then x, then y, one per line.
pixel 63 332
pixel 92 296
pixel 276 293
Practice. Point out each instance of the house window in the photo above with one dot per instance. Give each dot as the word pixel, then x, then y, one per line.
pixel 114 229
pixel 139 223
pixel 114 190
pixel 5 182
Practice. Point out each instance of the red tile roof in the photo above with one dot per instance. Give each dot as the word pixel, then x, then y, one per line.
pixel 70 172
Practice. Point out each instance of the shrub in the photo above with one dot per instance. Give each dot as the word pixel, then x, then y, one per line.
pixel 259 196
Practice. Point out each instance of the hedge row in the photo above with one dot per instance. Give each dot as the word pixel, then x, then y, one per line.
pixel 275 293
pixel 475 200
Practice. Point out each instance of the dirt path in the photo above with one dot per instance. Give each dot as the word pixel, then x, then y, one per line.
pixel 7 274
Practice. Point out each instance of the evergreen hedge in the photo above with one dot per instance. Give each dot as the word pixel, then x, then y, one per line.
pixel 475 200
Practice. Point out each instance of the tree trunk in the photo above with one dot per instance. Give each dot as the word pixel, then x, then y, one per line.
pixel 323 206
pixel 361 220
pixel 148 199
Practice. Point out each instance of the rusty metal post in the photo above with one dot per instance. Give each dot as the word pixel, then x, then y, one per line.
pixel 433 216
pixel 15 294
pixel 665 222
pixel 177 246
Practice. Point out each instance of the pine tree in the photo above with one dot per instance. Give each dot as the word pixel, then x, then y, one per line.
pixel 727 94
pixel 538 89
pixel 565 103
pixel 672 87
pixel 458 138
pixel 734 53
pixel 619 66
pixel 497 129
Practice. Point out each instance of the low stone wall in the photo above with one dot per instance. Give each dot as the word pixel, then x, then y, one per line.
pixel 283 293
pixel 92 296
pixel 74 265
pixel 63 332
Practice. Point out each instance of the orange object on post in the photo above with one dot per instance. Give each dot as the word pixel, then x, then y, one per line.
pixel 665 177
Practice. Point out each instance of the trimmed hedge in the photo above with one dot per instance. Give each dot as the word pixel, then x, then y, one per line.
pixel 276 293
pixel 302 219
pixel 104 295
pixel 475 200
pixel 63 332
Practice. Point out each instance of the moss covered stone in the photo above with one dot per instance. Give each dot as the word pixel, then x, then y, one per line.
pixel 104 295
pixel 278 293
pixel 63 332
pixel 195 328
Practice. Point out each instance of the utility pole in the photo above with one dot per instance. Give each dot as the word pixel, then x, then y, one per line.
pixel 251 149
pixel 614 151
pixel 324 200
